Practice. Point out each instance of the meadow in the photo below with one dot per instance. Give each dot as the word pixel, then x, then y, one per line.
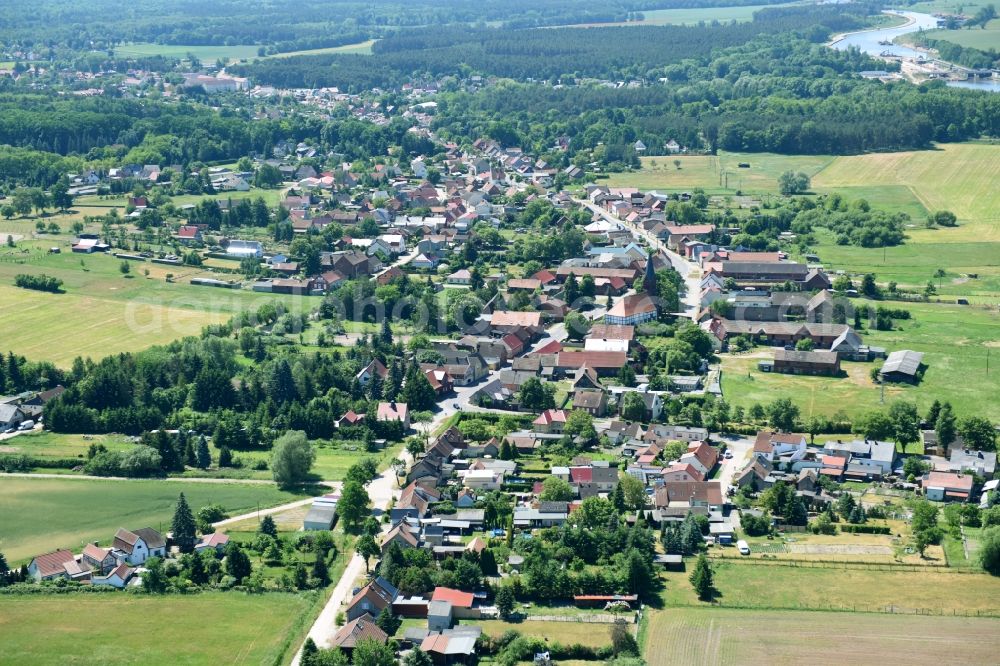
pixel 123 628
pixel 693 637
pixel 976 38
pixel 757 585
pixel 103 312
pixel 956 341
pixel 43 514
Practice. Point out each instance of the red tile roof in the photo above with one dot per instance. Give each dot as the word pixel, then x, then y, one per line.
pixel 51 564
pixel 456 598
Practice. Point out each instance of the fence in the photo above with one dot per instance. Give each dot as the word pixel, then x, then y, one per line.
pixel 841 564
pixel 604 618
pixel 866 608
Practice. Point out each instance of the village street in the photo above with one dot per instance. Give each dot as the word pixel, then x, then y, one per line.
pixel 688 270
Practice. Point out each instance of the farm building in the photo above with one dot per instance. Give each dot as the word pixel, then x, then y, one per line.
pixel 903 366
pixel 805 362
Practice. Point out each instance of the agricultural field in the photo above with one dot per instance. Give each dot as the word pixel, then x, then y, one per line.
pixel 332 462
pixel 722 636
pixel 361 48
pixel 955 339
pixel 103 312
pixel 741 584
pixel 123 628
pixel 42 514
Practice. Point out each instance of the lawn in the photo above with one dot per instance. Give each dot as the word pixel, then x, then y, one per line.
pixel 102 312
pixel 121 628
pixel 955 340
pixel 721 636
pixel 567 633
pixel 45 514
pixel 768 586
pixel 332 462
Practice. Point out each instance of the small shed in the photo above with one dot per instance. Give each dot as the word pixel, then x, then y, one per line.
pixel 320 517
pixel 439 614
pixel 669 562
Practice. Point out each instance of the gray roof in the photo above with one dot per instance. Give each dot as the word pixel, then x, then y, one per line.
pixel 904 361
pixel 439 609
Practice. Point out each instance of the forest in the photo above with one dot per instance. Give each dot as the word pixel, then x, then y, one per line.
pixel 639 51
pixel 55 26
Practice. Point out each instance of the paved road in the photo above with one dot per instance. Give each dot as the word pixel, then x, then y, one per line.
pixel 381 491
pixel 688 270
pixel 384 488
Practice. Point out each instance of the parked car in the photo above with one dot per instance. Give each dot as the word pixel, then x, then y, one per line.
pixel 743 547
pixel 27 425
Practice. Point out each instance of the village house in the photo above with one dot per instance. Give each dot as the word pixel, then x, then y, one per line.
pixel 139 545
pixel 947 486
pixel 394 411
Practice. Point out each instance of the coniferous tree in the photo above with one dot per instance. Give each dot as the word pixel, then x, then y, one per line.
pixel 183 526
pixel 310 653
pixel 268 527
pixel 225 457
pixel 190 458
pixel 320 571
pixel 701 578
pixel 204 457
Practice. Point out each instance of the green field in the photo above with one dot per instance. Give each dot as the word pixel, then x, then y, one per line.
pixel 976 38
pixel 122 628
pixel 103 312
pixel 44 514
pixel 568 633
pixel 50 446
pixel 764 586
pixel 361 48
pixel 207 54
pixel 955 340
pixel 709 636
pixel 709 172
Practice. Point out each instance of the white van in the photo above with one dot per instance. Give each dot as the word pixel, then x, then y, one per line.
pixel 26 425
pixel 743 547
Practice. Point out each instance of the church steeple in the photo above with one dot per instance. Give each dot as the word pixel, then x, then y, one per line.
pixel 649 280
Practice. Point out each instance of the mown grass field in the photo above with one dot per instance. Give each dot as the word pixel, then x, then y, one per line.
pixel 121 628
pixel 49 445
pixel 568 633
pixel 743 584
pixel 709 636
pixel 103 312
pixel 955 340
pixel 43 514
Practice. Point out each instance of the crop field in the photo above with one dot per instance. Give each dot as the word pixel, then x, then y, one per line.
pixel 742 584
pixel 122 628
pixel 955 339
pixel 957 177
pixel 103 312
pixel 44 514
pixel 721 636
